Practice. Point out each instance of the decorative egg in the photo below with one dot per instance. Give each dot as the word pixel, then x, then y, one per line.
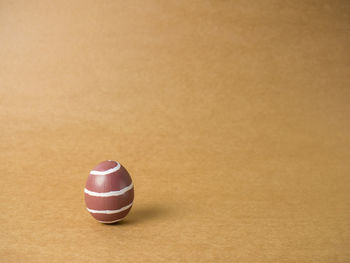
pixel 109 192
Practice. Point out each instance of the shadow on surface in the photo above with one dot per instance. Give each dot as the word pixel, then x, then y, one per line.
pixel 144 213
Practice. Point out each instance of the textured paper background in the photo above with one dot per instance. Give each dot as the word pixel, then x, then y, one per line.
pixel 231 116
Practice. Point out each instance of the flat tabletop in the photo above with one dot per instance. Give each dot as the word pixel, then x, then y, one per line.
pixel 232 118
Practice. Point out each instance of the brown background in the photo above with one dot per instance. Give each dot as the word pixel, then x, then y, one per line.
pixel 231 116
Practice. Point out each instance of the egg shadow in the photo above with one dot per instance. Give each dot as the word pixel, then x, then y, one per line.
pixel 144 213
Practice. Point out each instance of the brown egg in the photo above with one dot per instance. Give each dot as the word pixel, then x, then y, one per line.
pixel 109 192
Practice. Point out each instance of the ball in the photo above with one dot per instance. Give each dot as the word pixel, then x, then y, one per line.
pixel 109 192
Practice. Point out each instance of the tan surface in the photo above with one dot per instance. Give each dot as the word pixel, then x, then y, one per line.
pixel 231 117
